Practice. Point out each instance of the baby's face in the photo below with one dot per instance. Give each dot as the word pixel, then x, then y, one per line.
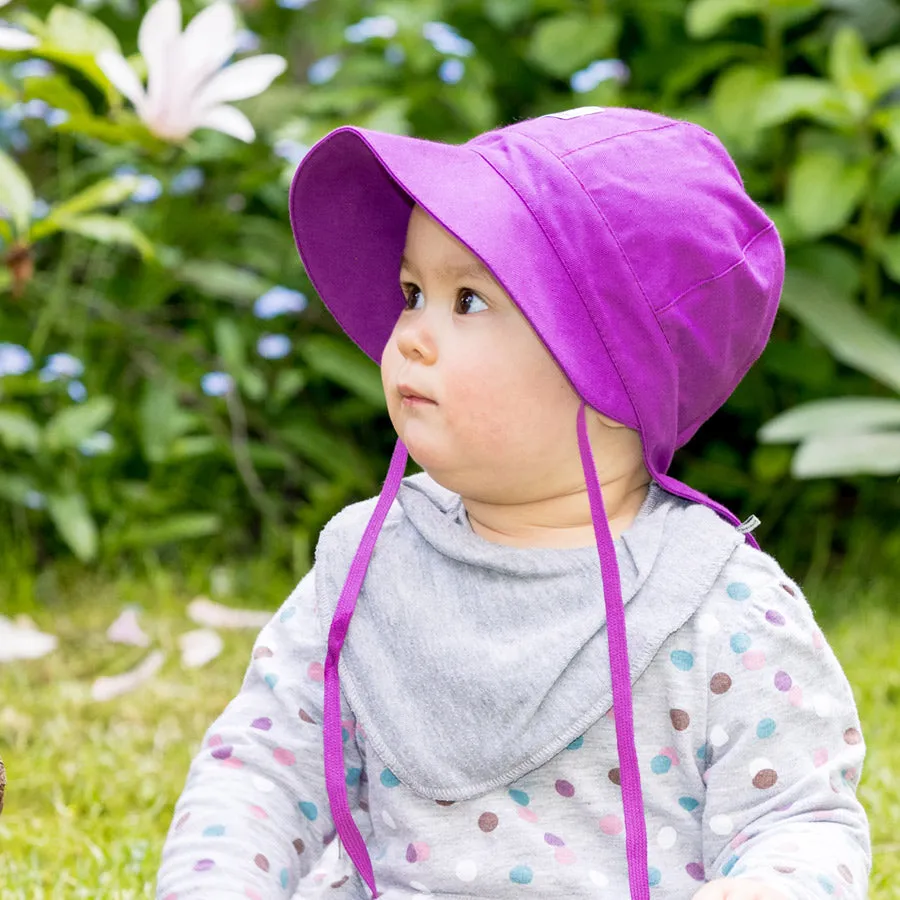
pixel 471 390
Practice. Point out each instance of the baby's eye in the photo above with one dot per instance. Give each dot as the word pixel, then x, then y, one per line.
pixel 470 302
pixel 412 294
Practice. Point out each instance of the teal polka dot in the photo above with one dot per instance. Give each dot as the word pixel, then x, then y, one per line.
pixel 740 642
pixel 520 797
pixel 288 613
pixel 389 779
pixel 310 810
pixel 688 803
pixel 766 728
pixel 271 680
pixel 827 884
pixel 729 865
pixel 345 735
pixel 737 590
pixel 654 876
pixel 283 878
pixel 353 776
pixel 681 659
pixel 521 875
pixel 214 831
pixel 576 744
pixel 660 764
pixel 701 753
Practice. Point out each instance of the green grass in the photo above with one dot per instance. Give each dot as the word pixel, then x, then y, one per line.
pixel 92 784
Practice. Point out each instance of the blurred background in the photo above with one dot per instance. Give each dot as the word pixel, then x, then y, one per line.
pixel 173 393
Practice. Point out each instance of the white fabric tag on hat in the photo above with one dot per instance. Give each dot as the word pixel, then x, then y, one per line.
pixel 577 112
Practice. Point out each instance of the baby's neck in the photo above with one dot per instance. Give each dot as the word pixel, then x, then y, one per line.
pixel 562 522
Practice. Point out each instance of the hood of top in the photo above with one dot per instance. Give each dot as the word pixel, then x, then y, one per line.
pixel 513 640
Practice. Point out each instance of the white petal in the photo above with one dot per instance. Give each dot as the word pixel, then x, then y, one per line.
pixel 206 45
pixel 115 67
pixel 246 78
pixel 12 39
pixel 228 120
pixel 157 40
pixel 199 647
pixel 207 612
pixel 108 686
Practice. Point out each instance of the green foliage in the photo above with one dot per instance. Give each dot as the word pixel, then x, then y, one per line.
pixel 228 432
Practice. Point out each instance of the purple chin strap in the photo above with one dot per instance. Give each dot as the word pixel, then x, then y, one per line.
pixel 629 774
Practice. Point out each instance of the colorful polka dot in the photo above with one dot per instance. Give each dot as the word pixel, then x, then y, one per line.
pixel 765 728
pixel 417 852
pixel 614 776
pixel 565 856
pixel 654 876
pixel 729 864
pixel 576 744
pixel 288 613
pixel 520 797
pixel 795 696
pixel 271 679
pixel 740 642
pixel 389 779
pixel 783 681
pixel 720 683
pixel 845 873
pixel 765 778
pixel 180 823
pixel 521 875
pixel 773 617
pixel 526 814
pixel 284 757
pixel 681 659
pixel 696 871
pixel 214 831
pixel 261 862
pixel 299 846
pixel 852 736
pixel 310 810
pixel 315 671
pixel 222 752
pixel 283 878
pixel 737 590
pixel 553 840
pixel 306 717
pixel 262 653
pixel 827 884
pixel 203 865
pixel 660 764
pixel 564 788
pixel 353 776
pixel 754 660
pixel 688 803
pixel 680 719
pixel 487 822
pixel 820 757
pixel 611 825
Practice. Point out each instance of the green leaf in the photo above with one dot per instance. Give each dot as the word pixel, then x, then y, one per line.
pixel 69 427
pixel 17 489
pixel 341 362
pixel 804 96
pixel 704 18
pixel 161 419
pixel 735 100
pixel 849 66
pixel 841 415
pixel 19 432
pixel 58 92
pixel 75 31
pixel 230 345
pixel 849 454
pixel 889 254
pixel 16 193
pixel 852 337
pixel 218 279
pixel 189 526
pixel 73 521
pixel 110 230
pixel 887 121
pixel 823 192
pixel 563 44
pixel 109 192
pixel 886 70
pixel 329 452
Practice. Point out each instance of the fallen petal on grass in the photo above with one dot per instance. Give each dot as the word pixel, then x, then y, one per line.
pixel 199 647
pixel 127 630
pixel 207 612
pixel 106 687
pixel 22 640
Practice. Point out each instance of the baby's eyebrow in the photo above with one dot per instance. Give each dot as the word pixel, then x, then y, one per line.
pixel 475 269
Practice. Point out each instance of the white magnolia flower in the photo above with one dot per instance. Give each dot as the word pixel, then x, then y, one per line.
pixel 13 38
pixel 187 86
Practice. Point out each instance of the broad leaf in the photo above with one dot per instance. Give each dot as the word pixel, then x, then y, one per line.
pixel 75 31
pixel 162 420
pixel 704 18
pixel 230 345
pixel 218 279
pixel 16 193
pixel 824 191
pixel 110 230
pixel 854 454
pixel 68 428
pixel 340 362
pixel 109 192
pixel 842 415
pixel 18 431
pixel 802 95
pixel 849 66
pixel 563 44
pixel 73 521
pixel 189 526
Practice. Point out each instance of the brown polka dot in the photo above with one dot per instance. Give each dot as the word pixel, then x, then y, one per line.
pixel 613 775
pixel 765 778
pixel 306 717
pixel 261 862
pixel 364 805
pixel 680 719
pixel 789 589
pixel 852 736
pixel 445 802
pixel 487 822
pixel 720 683
pixel 845 873
pixel 299 846
pixel 785 870
pixel 329 837
pixel 341 883
pixel 182 820
pixel 262 653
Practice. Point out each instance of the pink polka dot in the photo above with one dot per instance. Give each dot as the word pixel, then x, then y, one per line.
pixel 284 757
pixel 739 839
pixel 316 671
pixel 611 825
pixel 171 897
pixel 258 812
pixel 215 741
pixel 818 640
pixel 753 660
pixel 565 856
pixel 418 851
pixel 529 815
pixel 795 695
pixel 672 753
pixel 252 893
pixel 820 757
pixel 233 762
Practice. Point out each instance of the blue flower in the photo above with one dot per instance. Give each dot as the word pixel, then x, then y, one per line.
pixel 290 151
pixel 273 346
pixel 97 444
pixel 77 391
pixel 278 301
pixel 394 55
pixel 39 209
pixel 34 499
pixel 216 384
pixel 452 71
pixel 371 27
pixel 14 360
pixel 35 109
pixel 293 4
pixel 600 70
pixel 56 117
pixel 61 365
pixel 147 190
pixel 246 41
pixel 324 69
pixel 32 68
pixel 447 40
pixel 187 181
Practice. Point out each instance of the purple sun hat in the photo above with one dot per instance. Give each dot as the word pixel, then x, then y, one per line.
pixel 628 242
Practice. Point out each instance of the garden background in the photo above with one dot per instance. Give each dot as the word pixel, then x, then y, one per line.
pixel 179 416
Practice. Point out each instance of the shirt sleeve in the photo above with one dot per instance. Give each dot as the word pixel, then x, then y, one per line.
pixel 254 816
pixel 784 752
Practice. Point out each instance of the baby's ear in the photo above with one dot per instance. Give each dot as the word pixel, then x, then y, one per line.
pixel 607 421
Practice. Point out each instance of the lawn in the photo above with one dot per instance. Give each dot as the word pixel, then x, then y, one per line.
pixel 92 784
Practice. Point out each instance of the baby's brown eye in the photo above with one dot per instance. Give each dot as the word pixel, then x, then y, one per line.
pixel 412 294
pixel 469 302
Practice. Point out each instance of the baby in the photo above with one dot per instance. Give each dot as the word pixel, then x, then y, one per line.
pixel 542 666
